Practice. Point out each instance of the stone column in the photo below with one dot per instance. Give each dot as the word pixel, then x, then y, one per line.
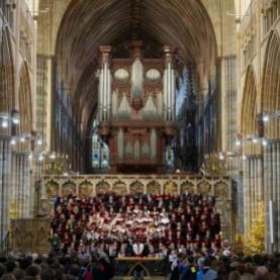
pixel 22 187
pixel 5 172
pixel 271 184
pixel 247 217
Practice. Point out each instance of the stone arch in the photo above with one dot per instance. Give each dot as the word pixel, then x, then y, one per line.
pixel 249 124
pixel 6 72
pixel 25 100
pixel 270 91
pixel 68 188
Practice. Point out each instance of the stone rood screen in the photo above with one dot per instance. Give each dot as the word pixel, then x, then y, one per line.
pixel 136 110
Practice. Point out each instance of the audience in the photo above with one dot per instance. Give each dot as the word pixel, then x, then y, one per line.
pixel 181 231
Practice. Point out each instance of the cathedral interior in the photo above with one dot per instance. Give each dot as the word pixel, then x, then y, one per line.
pixel 141 96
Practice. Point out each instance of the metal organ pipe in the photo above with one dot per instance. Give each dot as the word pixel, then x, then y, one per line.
pixel 172 95
pixel 109 95
pixel 169 91
pixel 165 94
pixel 101 95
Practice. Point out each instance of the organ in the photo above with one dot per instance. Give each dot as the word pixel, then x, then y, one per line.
pixel 136 109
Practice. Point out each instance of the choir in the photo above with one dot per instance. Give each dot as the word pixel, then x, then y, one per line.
pixel 136 225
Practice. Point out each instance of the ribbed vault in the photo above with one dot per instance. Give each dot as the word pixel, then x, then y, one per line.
pixel 88 24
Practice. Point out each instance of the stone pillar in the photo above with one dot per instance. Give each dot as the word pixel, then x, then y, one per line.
pixel 21 188
pixel 5 171
pixel 272 192
pixel 247 217
pixel 253 190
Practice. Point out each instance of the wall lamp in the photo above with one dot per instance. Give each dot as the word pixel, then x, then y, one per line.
pixel 6 119
pixel 251 139
pixel 267 116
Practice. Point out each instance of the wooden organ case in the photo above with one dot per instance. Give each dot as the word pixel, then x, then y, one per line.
pixel 136 109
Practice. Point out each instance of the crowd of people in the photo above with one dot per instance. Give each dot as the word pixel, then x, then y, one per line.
pixel 99 266
pixel 136 225
pixel 179 235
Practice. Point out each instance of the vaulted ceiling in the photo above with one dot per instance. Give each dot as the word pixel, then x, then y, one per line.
pixel 73 30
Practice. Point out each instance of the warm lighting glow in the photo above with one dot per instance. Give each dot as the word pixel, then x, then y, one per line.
pixel 264 142
pixel 221 156
pixel 5 123
pixel 39 142
pixel 52 156
pixel 265 118
pixel 13 141
pixel 238 143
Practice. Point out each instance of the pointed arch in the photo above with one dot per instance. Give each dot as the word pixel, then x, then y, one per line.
pixel 25 101
pixel 7 84
pixel 249 125
pixel 270 91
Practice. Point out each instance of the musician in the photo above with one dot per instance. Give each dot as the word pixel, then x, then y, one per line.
pixel 138 248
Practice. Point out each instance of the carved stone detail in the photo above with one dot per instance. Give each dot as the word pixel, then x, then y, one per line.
pixel 86 189
pixel 136 187
pixel 52 189
pixel 170 188
pixel 221 190
pixel 187 186
pixel 153 187
pixel 68 188
pixel 204 187
pixel 102 187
